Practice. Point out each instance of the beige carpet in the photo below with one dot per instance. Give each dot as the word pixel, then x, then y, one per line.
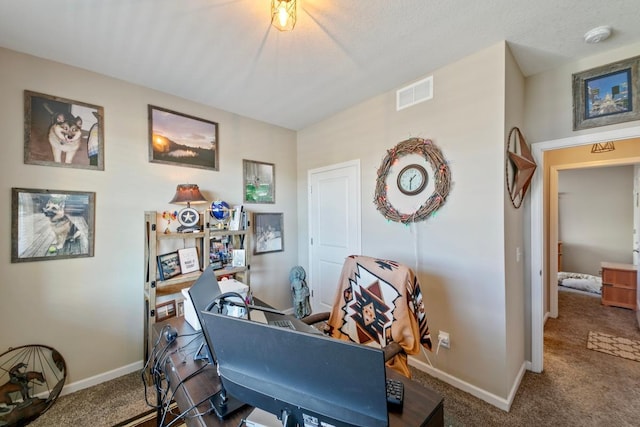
pixel 579 387
pixel 615 346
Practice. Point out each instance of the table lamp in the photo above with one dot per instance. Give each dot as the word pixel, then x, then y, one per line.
pixel 188 217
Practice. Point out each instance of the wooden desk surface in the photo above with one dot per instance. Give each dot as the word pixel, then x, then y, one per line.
pixel 422 406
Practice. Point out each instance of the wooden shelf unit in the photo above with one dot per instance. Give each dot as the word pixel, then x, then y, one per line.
pixel 619 282
pixel 157 242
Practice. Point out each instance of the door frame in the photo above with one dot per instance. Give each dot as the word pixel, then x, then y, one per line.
pixel 538 268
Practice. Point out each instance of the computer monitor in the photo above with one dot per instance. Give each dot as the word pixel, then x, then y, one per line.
pixel 298 376
pixel 202 293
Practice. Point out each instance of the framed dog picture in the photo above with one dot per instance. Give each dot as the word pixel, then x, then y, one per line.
pixel 62 132
pixel 269 232
pixel 51 224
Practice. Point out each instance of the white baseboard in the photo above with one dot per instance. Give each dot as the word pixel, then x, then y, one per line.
pixel 497 401
pixel 97 379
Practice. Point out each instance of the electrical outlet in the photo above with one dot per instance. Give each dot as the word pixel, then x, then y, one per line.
pixel 443 339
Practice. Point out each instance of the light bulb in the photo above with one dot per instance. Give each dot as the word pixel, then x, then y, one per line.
pixel 283 15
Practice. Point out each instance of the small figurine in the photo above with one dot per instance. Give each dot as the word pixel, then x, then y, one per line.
pixel 300 292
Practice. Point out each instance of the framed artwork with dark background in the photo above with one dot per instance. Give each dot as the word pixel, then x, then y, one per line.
pixel 62 132
pixel 606 95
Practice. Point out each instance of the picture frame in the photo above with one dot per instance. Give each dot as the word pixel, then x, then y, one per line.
pixel 166 310
pixel 259 181
pixel 189 261
pixel 169 265
pixel 182 140
pixel 606 95
pixel 238 259
pixel 62 132
pixel 51 224
pixel 269 233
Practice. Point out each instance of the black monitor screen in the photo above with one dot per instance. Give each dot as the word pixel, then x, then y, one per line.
pixel 304 375
pixel 202 293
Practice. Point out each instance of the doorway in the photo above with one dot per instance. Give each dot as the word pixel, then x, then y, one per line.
pixel 542 299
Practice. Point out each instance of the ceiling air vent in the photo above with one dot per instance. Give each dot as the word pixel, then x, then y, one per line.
pixel 414 93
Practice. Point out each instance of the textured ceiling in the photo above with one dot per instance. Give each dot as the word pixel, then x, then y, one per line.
pixel 224 53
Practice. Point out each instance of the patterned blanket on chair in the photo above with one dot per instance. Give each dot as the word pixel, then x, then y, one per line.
pixel 380 302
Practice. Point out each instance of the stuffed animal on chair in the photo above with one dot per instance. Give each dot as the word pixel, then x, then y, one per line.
pixel 299 292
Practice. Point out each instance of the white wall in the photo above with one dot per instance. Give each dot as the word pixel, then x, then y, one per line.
pixel 91 309
pixel 595 217
pixel 458 253
pixel 549 106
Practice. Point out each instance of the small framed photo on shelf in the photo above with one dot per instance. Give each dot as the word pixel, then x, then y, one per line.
pixel 166 310
pixel 189 261
pixel 606 95
pixel 269 232
pixel 169 265
pixel 238 258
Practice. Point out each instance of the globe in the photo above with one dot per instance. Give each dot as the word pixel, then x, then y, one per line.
pixel 220 210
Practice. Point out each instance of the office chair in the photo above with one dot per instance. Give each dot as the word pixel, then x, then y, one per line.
pixel 378 302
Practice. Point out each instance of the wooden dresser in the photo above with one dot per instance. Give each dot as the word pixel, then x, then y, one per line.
pixel 619 284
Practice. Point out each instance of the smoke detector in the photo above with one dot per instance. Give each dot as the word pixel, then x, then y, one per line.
pixel 598 34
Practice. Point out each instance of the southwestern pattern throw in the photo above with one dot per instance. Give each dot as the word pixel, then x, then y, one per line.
pixel 379 302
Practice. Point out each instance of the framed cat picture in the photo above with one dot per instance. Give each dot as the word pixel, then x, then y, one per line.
pixel 62 132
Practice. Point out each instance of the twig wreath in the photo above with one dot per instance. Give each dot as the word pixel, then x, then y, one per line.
pixel 442 179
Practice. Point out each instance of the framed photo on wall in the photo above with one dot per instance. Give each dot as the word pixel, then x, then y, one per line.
pixel 606 95
pixel 259 181
pixel 62 132
pixel 51 224
pixel 269 233
pixel 182 140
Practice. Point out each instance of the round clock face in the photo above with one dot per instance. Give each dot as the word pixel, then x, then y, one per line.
pixel 412 179
pixel 188 217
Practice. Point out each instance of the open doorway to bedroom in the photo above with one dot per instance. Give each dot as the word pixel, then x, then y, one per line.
pixel 550 157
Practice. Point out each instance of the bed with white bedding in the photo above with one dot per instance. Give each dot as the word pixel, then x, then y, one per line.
pixel 581 282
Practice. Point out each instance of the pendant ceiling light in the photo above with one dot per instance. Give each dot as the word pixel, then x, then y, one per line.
pixel 602 147
pixel 283 14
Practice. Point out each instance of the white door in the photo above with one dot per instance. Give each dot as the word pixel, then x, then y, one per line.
pixel 334 228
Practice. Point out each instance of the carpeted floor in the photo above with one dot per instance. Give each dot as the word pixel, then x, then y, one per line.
pixel 103 405
pixel 579 387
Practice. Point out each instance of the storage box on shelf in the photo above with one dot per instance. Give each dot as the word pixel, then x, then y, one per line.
pixel 158 243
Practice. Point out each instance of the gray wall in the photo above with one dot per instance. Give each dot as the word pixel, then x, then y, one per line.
pixel 458 253
pixel 595 212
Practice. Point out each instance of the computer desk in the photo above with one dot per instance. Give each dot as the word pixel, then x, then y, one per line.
pixel 422 406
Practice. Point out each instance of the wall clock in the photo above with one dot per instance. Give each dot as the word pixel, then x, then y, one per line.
pixel 441 176
pixel 412 179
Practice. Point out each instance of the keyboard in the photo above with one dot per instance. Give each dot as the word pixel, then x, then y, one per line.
pixel 282 323
pixel 395 395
